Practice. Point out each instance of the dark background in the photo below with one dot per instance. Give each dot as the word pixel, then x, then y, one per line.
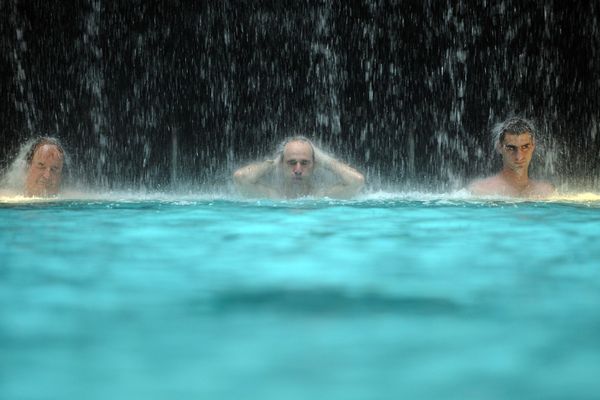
pixel 407 91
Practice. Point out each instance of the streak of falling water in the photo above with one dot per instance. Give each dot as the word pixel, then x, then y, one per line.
pixel 325 75
pixel 228 96
pixel 140 97
pixel 24 101
pixel 455 63
pixel 174 157
pixel 94 83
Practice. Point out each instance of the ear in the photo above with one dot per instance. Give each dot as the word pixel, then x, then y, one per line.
pixel 498 147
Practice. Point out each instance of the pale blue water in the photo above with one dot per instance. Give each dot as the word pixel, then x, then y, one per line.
pixel 372 299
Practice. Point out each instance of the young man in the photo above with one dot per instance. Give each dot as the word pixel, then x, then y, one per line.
pixel 299 170
pixel 515 141
pixel 44 161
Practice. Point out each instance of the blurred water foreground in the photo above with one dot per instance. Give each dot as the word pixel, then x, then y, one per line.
pixel 177 94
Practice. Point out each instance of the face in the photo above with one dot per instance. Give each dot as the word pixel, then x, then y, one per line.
pixel 517 151
pixel 45 172
pixel 298 161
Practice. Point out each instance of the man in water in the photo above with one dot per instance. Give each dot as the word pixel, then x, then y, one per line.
pixel 514 140
pixel 44 162
pixel 299 169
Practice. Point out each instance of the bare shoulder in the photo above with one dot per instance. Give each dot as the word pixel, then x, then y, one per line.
pixel 486 186
pixel 543 189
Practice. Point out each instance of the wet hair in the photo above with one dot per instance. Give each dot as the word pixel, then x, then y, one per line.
pixel 39 142
pixel 513 126
pixel 281 146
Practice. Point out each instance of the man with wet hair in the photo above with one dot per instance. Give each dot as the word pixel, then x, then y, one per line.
pixel 44 160
pixel 514 140
pixel 299 169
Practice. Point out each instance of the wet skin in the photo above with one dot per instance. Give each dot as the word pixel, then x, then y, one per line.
pixel 516 151
pixel 45 172
pixel 298 162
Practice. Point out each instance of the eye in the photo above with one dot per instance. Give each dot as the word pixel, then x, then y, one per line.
pixel 526 146
pixel 304 162
pixel 510 148
pixel 291 162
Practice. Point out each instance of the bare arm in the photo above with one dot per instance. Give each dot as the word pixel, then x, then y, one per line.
pixel 248 179
pixel 351 181
pixel 478 187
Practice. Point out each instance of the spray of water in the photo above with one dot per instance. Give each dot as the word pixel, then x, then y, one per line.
pixel 174 98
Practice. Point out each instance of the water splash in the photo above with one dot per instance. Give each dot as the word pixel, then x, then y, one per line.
pixel 407 92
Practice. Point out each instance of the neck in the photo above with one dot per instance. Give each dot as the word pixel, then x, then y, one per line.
pixel 518 178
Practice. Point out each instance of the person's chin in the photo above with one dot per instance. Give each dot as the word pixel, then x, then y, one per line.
pixel 42 191
pixel 35 193
pixel 35 190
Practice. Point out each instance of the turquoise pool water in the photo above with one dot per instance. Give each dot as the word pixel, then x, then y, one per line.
pixel 373 299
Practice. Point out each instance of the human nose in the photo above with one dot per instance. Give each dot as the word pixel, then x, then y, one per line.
pixel 297 169
pixel 520 154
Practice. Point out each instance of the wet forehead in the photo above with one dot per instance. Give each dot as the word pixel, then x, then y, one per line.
pixel 298 150
pixel 517 139
pixel 48 154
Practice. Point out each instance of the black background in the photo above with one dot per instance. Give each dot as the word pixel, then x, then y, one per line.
pixel 407 91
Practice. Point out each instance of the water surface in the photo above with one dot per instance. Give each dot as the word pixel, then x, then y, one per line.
pixel 374 298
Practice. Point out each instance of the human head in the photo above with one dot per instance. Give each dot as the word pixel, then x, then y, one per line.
pixel 297 156
pixel 515 140
pixel 514 126
pixel 44 160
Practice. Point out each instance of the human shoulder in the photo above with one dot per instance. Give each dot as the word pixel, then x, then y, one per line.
pixel 486 186
pixel 543 189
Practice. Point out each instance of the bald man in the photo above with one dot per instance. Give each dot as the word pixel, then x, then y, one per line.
pixel 294 173
pixel 44 160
